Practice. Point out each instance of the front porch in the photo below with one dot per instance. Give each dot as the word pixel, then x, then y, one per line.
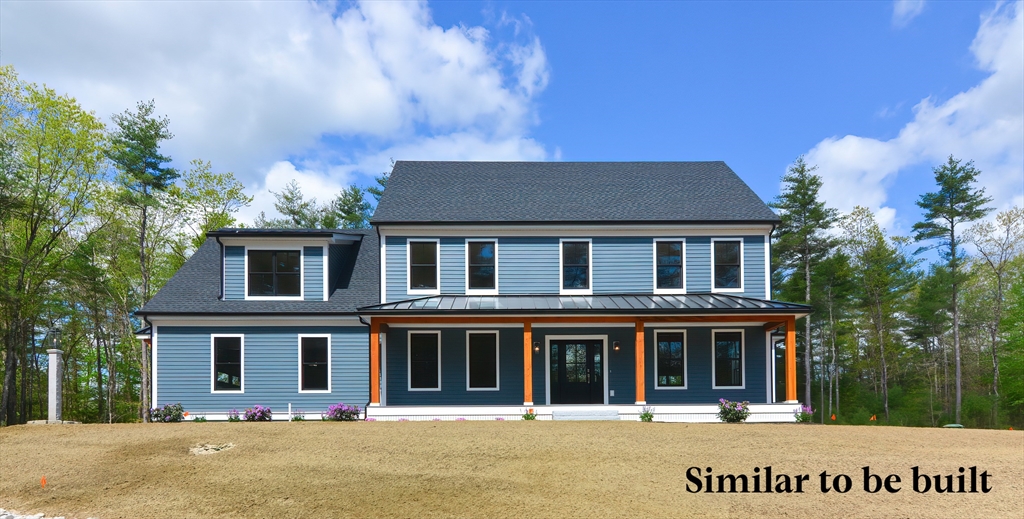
pixel 697 413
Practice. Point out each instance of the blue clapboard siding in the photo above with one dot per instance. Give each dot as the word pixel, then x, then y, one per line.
pixel 453 371
pixel 234 272
pixel 528 265
pixel 395 259
pixel 623 265
pixel 698 359
pixel 753 267
pixel 313 273
pixel 698 264
pixel 453 265
pixel 271 375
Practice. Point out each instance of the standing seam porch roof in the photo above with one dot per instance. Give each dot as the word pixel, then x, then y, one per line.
pixel 592 304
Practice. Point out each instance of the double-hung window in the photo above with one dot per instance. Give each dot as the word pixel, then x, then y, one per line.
pixel 727 265
pixel 228 360
pixel 424 361
pixel 482 361
pixel 314 363
pixel 481 267
pixel 575 274
pixel 669 266
pixel 727 359
pixel 670 367
pixel 275 273
pixel 423 266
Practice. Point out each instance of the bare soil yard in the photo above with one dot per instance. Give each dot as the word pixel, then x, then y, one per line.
pixel 492 469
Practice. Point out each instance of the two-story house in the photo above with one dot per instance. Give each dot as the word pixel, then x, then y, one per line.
pixel 489 288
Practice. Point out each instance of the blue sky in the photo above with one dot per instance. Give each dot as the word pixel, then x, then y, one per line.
pixel 875 93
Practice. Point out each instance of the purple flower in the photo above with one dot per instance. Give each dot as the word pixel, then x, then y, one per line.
pixel 460 419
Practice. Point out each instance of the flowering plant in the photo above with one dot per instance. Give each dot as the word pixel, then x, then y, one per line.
pixel 804 414
pixel 233 416
pixel 647 414
pixel 733 412
pixel 342 413
pixel 167 413
pixel 530 414
pixel 257 413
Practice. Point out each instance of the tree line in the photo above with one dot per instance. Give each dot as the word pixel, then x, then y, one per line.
pixel 95 221
pixel 895 340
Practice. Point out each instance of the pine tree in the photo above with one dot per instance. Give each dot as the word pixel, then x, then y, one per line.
pixel 954 204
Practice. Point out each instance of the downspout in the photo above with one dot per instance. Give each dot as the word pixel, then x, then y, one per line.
pixel 769 255
pixel 367 405
pixel 221 296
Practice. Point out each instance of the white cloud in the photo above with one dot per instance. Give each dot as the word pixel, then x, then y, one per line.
pixel 984 124
pixel 903 11
pixel 251 84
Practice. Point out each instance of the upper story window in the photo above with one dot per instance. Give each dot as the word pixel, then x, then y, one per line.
pixel 727 265
pixel 481 266
pixel 575 274
pixel 275 273
pixel 669 266
pixel 423 266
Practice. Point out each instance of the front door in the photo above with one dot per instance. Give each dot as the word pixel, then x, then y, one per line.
pixel 577 371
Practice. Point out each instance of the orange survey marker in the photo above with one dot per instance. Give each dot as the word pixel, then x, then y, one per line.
pixel 833 417
pixel 42 482
pixel 873 418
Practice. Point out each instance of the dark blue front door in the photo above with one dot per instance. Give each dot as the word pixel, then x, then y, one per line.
pixel 577 372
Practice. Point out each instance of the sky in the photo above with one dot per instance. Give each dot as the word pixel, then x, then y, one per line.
pixel 875 94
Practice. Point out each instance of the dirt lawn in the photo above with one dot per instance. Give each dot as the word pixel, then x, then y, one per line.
pixel 494 469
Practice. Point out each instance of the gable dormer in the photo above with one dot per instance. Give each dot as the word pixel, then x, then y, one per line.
pixel 283 264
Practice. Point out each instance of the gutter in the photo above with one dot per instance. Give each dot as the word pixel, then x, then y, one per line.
pixel 222 259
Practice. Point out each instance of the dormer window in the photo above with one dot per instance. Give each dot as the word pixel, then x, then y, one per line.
pixel 275 273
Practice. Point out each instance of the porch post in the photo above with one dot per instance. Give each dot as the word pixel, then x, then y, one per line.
pixel 374 362
pixel 527 363
pixel 791 359
pixel 641 398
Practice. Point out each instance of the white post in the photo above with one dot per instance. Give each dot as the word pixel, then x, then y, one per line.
pixel 56 386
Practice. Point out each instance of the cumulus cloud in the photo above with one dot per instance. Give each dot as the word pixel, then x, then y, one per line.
pixel 984 124
pixel 268 89
pixel 903 11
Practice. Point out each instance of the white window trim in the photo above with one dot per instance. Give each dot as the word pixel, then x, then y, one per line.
pixel 743 358
pixel 329 362
pixel 408 359
pixel 547 360
pixel 497 360
pixel 213 363
pixel 408 268
pixel 482 291
pixel 712 251
pixel 302 272
pixel 590 269
pixel 686 363
pixel 654 272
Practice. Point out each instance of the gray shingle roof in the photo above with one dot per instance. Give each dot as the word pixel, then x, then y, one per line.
pixel 195 288
pixel 560 192
pixel 633 304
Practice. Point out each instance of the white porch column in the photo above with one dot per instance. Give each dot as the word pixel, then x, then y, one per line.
pixel 56 386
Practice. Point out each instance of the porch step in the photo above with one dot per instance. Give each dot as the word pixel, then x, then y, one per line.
pixel 596 414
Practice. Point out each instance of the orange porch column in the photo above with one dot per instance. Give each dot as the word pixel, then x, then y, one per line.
pixel 791 359
pixel 527 363
pixel 374 362
pixel 641 398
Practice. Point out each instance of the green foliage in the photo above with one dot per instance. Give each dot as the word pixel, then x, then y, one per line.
pixel 955 203
pixel 348 210
pixel 135 150
pixel 168 413
pixel 382 184
pixel 647 414
pixel 529 415
pixel 733 412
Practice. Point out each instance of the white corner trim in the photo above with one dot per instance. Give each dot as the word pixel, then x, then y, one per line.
pixel 590 269
pixel 408 268
pixel 153 377
pixel 686 361
pixel 481 291
pixel 276 247
pixel 327 279
pixel 383 266
pixel 330 363
pixel 767 267
pixel 654 272
pixel 408 359
pixel 743 358
pixel 213 363
pixel 497 360
pixel 742 261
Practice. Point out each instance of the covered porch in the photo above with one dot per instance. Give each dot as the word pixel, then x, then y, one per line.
pixel 569 355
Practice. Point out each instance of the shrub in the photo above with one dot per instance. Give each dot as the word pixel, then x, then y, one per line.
pixel 804 414
pixel 342 413
pixel 298 417
pixel 200 419
pixel 733 412
pixel 257 413
pixel 168 413
pixel 530 415
pixel 233 416
pixel 647 414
